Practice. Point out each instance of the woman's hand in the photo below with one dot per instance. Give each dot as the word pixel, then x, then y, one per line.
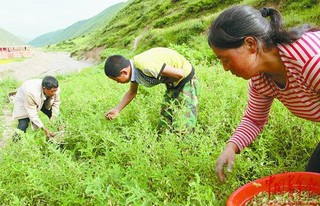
pixel 227 157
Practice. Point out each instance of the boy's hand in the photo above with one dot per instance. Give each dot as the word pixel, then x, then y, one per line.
pixel 111 114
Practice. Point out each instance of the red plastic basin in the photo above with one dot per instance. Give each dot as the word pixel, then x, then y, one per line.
pixel 285 182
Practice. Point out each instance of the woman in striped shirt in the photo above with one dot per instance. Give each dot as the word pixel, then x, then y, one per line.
pixel 282 64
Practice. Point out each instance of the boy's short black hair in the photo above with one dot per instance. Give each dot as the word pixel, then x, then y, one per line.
pixel 50 82
pixel 114 64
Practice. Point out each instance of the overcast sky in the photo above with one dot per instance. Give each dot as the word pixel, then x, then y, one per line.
pixel 28 19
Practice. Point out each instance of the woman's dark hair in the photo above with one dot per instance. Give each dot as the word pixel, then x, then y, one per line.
pixel 236 23
pixel 114 64
pixel 50 82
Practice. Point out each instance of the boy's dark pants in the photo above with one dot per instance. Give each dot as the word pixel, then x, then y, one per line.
pixel 23 123
pixel 314 161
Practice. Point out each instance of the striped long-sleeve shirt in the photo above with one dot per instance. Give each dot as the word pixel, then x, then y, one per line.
pixel 301 94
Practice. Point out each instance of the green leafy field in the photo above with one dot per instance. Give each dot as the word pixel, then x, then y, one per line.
pixel 125 162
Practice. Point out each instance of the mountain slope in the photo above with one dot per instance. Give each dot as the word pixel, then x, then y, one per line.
pixel 79 28
pixel 174 23
pixel 155 20
pixel 8 39
pixel 144 24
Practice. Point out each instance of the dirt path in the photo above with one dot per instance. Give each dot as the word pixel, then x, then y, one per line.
pixel 37 66
pixel 8 130
pixel 41 64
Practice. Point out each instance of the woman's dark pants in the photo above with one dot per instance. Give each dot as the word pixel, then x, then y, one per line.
pixel 314 161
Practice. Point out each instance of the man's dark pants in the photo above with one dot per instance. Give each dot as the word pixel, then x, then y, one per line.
pixel 23 123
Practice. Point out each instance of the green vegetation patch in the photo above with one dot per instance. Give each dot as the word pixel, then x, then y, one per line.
pixel 5 61
pixel 125 161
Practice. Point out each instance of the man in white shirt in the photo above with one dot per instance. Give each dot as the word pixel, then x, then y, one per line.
pixel 33 96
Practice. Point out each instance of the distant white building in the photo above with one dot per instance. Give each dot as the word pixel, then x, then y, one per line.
pixel 9 52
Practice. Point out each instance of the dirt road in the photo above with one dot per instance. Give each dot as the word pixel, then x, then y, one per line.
pixel 40 64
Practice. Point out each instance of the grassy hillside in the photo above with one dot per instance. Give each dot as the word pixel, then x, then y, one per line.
pixel 79 28
pixel 125 161
pixel 8 39
pixel 145 24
